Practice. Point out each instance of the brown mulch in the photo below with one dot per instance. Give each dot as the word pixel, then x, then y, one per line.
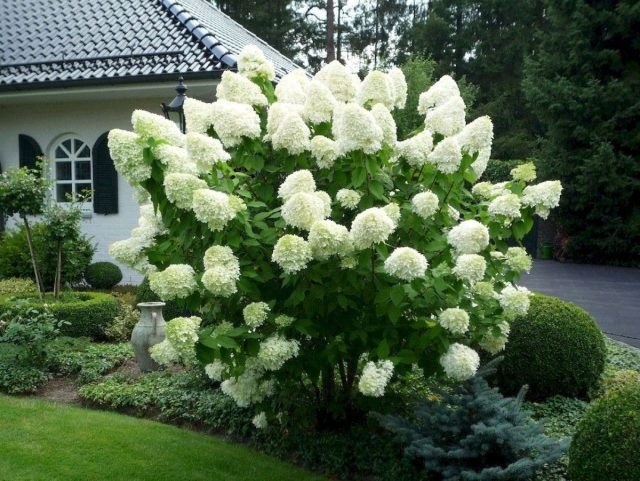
pixel 61 390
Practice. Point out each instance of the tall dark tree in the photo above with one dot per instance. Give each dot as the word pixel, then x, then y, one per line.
pixel 486 42
pixel 583 84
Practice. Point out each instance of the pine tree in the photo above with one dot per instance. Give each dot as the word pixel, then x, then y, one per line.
pixel 473 433
pixel 583 85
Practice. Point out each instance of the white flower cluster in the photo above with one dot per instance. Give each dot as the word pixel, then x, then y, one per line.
pixel 455 320
pixel 293 87
pixel 198 115
pixel 406 263
pixel 175 282
pixel 182 334
pixel 326 238
pixel 514 301
pixel 468 237
pixel 355 128
pixel 460 362
pixel 155 127
pixel 447 118
pixel 215 370
pixel 342 84
pixel 249 387
pixel 415 150
pixel 298 181
pixel 284 320
pixel 175 159
pixel 494 343
pixel 205 151
pixel 375 377
pixel 487 190
pixel 507 205
pixel 476 136
pixel 260 420
pixel 276 350
pixel 444 89
pixel 377 88
pixel 255 314
pixel 544 196
pixel 253 64
pixel 470 267
pixel 425 204
pixel 303 206
pixel 237 88
pixel 319 103
pixel 399 87
pixel 324 150
pixel 214 208
pixel 349 199
pixel 371 227
pixel 292 134
pixel 126 151
pixel 222 271
pixel 164 353
pixel 179 189
pixel 232 121
pixel 387 124
pixel 446 156
pixel 518 259
pixel 524 172
pixel 292 253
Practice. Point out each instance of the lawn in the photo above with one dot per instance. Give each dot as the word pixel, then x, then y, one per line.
pixel 45 441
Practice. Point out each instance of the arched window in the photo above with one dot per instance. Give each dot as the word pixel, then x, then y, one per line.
pixel 72 169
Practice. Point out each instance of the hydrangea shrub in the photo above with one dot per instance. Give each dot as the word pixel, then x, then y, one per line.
pixel 320 251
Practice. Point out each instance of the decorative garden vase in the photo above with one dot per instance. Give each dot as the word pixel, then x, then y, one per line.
pixel 148 332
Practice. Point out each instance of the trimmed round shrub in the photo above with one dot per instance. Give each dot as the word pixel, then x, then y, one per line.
pixel 557 349
pixel 103 275
pixel 170 311
pixel 607 439
pixel 86 314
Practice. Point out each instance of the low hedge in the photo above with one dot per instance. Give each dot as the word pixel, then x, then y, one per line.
pixel 607 440
pixel 86 313
pixel 557 349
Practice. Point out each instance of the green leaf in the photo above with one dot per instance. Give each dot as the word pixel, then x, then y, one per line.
pixel 383 349
pixel 397 294
pixel 358 177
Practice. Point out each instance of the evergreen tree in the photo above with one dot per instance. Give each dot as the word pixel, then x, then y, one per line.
pixel 583 84
pixel 474 433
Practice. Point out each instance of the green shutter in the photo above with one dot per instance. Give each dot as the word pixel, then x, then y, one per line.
pixel 105 178
pixel 29 151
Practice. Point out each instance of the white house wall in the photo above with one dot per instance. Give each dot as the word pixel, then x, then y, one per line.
pixel 87 119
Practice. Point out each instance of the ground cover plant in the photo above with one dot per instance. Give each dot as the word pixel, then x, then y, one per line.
pixel 321 254
pixel 42 441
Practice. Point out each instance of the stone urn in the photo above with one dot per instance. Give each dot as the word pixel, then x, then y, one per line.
pixel 148 332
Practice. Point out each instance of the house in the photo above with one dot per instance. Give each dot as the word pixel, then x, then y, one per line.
pixel 71 70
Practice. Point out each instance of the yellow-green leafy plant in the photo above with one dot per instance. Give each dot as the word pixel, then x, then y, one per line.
pixel 321 253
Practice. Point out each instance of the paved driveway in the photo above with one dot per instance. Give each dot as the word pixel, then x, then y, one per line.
pixel 610 294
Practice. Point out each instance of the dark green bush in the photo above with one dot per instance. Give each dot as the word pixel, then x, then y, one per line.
pixel 85 313
pixel 607 441
pixel 557 349
pixel 170 311
pixel 103 275
pixel 15 260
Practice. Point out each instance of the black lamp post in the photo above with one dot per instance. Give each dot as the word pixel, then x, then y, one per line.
pixel 177 106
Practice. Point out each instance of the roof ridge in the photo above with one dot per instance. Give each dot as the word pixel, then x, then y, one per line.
pixel 202 34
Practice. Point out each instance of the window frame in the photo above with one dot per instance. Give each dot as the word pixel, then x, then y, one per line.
pixel 73 157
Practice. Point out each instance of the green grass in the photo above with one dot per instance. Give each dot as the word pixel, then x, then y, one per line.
pixel 45 441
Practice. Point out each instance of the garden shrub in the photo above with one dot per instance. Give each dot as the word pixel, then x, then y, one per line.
pixel 89 361
pixel 171 310
pixel 472 432
pixel 103 275
pixel 16 286
pixel 500 170
pixel 84 313
pixel 607 440
pixel 556 348
pixel 15 260
pixel 316 245
pixel 121 327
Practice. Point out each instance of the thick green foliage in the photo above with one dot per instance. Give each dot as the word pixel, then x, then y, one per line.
pixel 362 451
pixel 103 275
pixel 557 349
pixel 583 85
pixel 171 310
pixel 16 285
pixel 121 327
pixel 15 260
pixel 84 313
pixel 22 192
pixel 500 170
pixel 472 432
pixel 78 356
pixel 607 440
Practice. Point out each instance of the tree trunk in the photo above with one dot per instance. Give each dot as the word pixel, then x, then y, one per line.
pixel 339 32
pixel 34 262
pixel 58 281
pixel 330 45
